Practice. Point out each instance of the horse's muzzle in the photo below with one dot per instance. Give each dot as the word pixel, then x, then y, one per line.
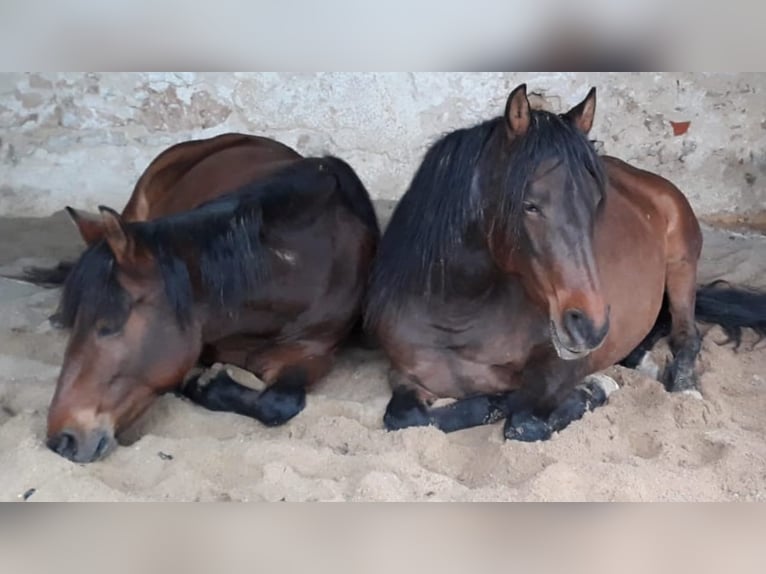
pixel 82 447
pixel 577 336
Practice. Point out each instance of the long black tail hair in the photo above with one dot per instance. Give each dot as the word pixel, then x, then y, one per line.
pixel 733 308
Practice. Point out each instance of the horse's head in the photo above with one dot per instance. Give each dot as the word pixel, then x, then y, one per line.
pixel 552 187
pixel 127 344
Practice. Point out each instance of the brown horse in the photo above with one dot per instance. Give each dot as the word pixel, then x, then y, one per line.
pixel 251 256
pixel 519 263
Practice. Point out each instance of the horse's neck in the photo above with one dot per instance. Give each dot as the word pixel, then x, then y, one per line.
pixel 476 282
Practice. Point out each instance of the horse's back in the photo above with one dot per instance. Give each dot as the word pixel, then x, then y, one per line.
pixel 191 173
pixel 319 235
pixel 656 197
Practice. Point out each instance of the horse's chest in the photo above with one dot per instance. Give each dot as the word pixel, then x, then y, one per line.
pixel 491 342
pixel 462 353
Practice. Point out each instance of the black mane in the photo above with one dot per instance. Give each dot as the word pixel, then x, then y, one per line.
pixel 473 175
pixel 549 136
pixel 225 234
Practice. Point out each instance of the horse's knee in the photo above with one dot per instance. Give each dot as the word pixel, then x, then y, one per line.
pixel 274 406
pixel 219 393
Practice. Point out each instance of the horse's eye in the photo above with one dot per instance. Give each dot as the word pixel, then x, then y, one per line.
pixel 531 208
pixel 105 329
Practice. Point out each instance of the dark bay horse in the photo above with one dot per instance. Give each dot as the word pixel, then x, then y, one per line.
pixel 519 263
pixel 244 254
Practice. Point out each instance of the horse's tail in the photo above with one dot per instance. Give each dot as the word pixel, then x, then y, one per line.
pixel 734 309
pixel 354 193
pixel 48 276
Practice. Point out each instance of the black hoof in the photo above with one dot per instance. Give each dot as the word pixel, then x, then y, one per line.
pixel 678 380
pixel 587 397
pixel 277 405
pixel 526 427
pixel 404 411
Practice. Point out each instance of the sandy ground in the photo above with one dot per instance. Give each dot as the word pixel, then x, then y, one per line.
pixel 644 445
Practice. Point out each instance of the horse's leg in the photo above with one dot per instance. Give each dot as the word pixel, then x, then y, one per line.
pixel 277 404
pixel 406 409
pixel 527 426
pixel 528 418
pixel 685 340
pixel 287 396
pixel 273 406
pixel 548 402
pixel 409 407
pixel 640 358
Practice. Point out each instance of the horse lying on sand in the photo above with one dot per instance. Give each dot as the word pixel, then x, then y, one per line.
pixel 519 263
pixel 252 256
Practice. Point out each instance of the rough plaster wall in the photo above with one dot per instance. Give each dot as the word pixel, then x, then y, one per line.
pixel 83 139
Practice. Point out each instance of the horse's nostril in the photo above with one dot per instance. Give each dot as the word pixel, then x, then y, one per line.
pixel 64 444
pixel 579 327
pixel 582 330
pixel 103 444
pixel 576 323
pixel 575 316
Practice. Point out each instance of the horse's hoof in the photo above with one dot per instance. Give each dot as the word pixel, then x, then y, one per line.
pixel 680 378
pixel 591 394
pixel 526 428
pixel 416 417
pixel 277 405
pixel 683 384
pixel 405 411
pixel 693 393
pixel 603 382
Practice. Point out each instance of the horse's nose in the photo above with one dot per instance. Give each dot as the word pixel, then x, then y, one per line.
pixel 88 448
pixel 582 330
pixel 64 444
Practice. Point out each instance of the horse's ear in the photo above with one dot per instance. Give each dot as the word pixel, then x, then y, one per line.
pixel 582 114
pixel 90 226
pixel 517 111
pixel 117 236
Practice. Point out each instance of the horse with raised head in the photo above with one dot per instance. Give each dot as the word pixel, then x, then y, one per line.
pixel 520 263
pixel 252 256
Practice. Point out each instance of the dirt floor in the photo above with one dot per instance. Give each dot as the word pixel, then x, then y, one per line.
pixel 644 445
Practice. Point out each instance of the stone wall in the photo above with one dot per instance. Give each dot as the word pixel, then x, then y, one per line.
pixel 82 139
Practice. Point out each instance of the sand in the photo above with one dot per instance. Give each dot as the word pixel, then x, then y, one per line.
pixel 644 445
